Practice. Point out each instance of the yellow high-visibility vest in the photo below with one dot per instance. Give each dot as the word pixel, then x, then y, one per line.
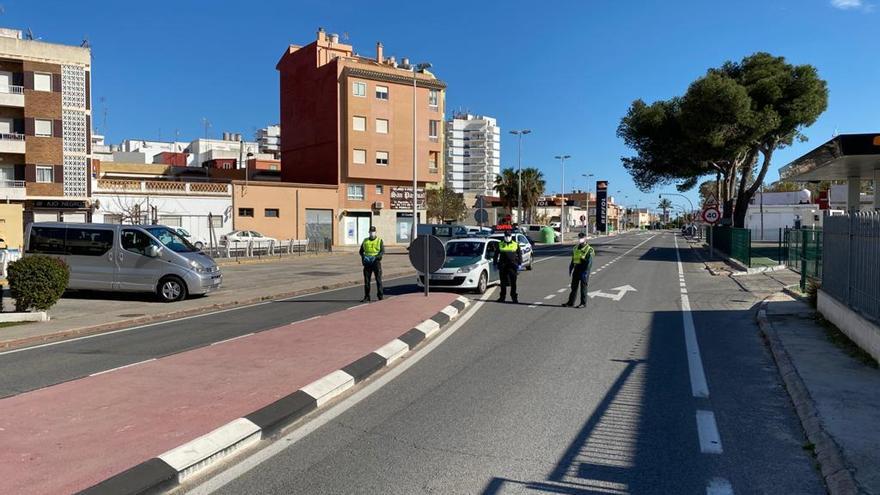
pixel 508 246
pixel 371 246
pixel 581 252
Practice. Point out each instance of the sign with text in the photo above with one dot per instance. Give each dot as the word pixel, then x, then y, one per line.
pixel 402 198
pixel 601 205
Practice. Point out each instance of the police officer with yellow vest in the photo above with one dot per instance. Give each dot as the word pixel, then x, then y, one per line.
pixel 372 250
pixel 579 270
pixel 508 259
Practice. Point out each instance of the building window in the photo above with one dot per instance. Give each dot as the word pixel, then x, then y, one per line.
pixel 45 174
pixel 433 129
pixel 382 126
pixel 433 98
pixel 271 212
pixel 381 92
pixel 42 81
pixel 171 220
pixel 379 190
pixel 359 157
pixel 356 192
pixel 43 127
pixel 381 158
pixel 359 123
pixel 433 158
pixel 246 212
pixel 215 222
pixel 359 89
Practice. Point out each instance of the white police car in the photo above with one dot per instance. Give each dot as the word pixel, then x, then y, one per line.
pixel 468 265
pixel 524 245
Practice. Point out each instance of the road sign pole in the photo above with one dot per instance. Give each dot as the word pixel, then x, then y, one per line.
pixel 427 278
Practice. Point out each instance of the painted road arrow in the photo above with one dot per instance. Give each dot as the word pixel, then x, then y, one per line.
pixel 621 291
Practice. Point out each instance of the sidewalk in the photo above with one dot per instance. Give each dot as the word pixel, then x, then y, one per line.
pixel 81 313
pixel 68 437
pixel 838 397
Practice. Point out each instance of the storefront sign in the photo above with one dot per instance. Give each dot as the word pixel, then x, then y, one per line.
pixel 601 205
pixel 59 204
pixel 402 198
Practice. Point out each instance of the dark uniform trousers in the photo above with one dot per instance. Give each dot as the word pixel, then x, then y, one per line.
pixel 580 276
pixel 508 278
pixel 374 268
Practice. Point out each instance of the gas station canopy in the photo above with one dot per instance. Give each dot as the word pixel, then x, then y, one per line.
pixel 843 157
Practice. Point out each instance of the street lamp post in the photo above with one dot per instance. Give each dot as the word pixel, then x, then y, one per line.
pixel 587 178
pixel 519 133
pixel 415 206
pixel 562 219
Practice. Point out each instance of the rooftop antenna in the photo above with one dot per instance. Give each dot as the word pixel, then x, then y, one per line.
pixel 207 124
pixel 29 35
pixel 104 112
pixel 85 42
pixel 345 36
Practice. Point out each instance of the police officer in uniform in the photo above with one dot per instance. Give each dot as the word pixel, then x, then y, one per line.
pixel 579 270
pixel 508 259
pixel 372 250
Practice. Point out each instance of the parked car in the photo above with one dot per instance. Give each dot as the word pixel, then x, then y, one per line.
pixel 444 231
pixel 525 246
pixel 244 236
pixel 198 242
pixel 129 258
pixel 468 265
pixel 533 232
pixel 473 231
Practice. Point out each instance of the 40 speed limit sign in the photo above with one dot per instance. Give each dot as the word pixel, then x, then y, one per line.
pixel 711 214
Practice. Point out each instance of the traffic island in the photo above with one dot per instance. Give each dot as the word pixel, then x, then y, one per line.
pixel 152 424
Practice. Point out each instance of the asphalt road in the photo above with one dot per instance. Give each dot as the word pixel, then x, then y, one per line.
pixel 32 368
pixel 535 398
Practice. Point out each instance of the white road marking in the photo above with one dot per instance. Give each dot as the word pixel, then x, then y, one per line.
pixel 699 386
pixel 122 367
pixel 719 486
pixel 233 338
pixel 535 305
pixel 621 291
pixel 562 290
pixel 236 470
pixel 551 296
pixel 707 430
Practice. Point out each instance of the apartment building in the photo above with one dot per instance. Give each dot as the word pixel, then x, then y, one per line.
pixel 45 121
pixel 269 140
pixel 473 153
pixel 347 121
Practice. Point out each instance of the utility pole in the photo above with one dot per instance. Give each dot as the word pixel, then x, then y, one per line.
pixel 563 220
pixel 415 206
pixel 519 133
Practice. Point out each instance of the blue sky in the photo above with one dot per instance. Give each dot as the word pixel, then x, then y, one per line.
pixel 567 70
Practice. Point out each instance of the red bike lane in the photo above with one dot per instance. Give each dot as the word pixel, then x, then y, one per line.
pixel 67 437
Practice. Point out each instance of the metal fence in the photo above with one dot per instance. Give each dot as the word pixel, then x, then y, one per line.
pixel 851 262
pixel 735 243
pixel 802 252
pixel 262 249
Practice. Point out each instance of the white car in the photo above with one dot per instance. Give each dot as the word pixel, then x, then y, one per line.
pixel 198 242
pixel 468 266
pixel 524 245
pixel 242 237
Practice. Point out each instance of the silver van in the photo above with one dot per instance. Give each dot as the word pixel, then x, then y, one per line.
pixel 130 258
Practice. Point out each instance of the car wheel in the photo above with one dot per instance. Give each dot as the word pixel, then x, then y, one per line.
pixel 171 289
pixel 483 284
pixel 199 245
pixel 529 266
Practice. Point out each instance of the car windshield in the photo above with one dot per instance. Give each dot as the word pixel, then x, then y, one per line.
pixel 172 240
pixel 469 249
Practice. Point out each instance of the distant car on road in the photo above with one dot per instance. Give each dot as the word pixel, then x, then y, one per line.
pixel 245 236
pixel 468 265
pixel 525 246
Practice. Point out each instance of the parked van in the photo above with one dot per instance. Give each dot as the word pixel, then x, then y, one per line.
pixel 130 258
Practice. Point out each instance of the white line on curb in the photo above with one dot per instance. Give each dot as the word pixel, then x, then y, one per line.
pixel 707 430
pixel 699 386
pixel 233 338
pixel 122 367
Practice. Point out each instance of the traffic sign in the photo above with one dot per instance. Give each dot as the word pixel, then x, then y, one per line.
pixel 481 216
pixel 583 218
pixel 711 214
pixel 711 200
pixel 427 255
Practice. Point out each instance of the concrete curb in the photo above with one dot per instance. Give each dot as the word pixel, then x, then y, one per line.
pixel 175 466
pixel 838 478
pixel 158 318
pixel 22 317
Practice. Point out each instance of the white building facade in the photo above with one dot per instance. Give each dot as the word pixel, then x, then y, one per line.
pixel 473 154
pixel 269 140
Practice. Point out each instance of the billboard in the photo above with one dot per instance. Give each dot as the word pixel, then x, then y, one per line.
pixel 402 198
pixel 601 205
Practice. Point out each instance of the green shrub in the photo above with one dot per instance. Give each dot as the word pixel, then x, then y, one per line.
pixel 37 282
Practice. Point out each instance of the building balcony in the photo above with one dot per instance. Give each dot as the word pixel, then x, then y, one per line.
pixel 11 96
pixel 12 190
pixel 12 142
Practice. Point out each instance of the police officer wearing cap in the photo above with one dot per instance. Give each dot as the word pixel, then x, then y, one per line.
pixel 579 270
pixel 508 259
pixel 372 250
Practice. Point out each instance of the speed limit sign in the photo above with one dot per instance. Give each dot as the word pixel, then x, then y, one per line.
pixel 711 215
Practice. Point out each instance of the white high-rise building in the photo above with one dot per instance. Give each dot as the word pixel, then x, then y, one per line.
pixel 269 140
pixel 473 154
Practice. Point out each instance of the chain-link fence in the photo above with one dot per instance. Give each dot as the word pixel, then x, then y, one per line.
pixel 851 261
pixel 802 252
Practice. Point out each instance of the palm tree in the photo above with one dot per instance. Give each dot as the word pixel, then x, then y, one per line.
pixel 506 187
pixel 533 186
pixel 664 204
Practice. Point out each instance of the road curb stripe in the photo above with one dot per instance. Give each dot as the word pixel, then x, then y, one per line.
pixel 177 464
